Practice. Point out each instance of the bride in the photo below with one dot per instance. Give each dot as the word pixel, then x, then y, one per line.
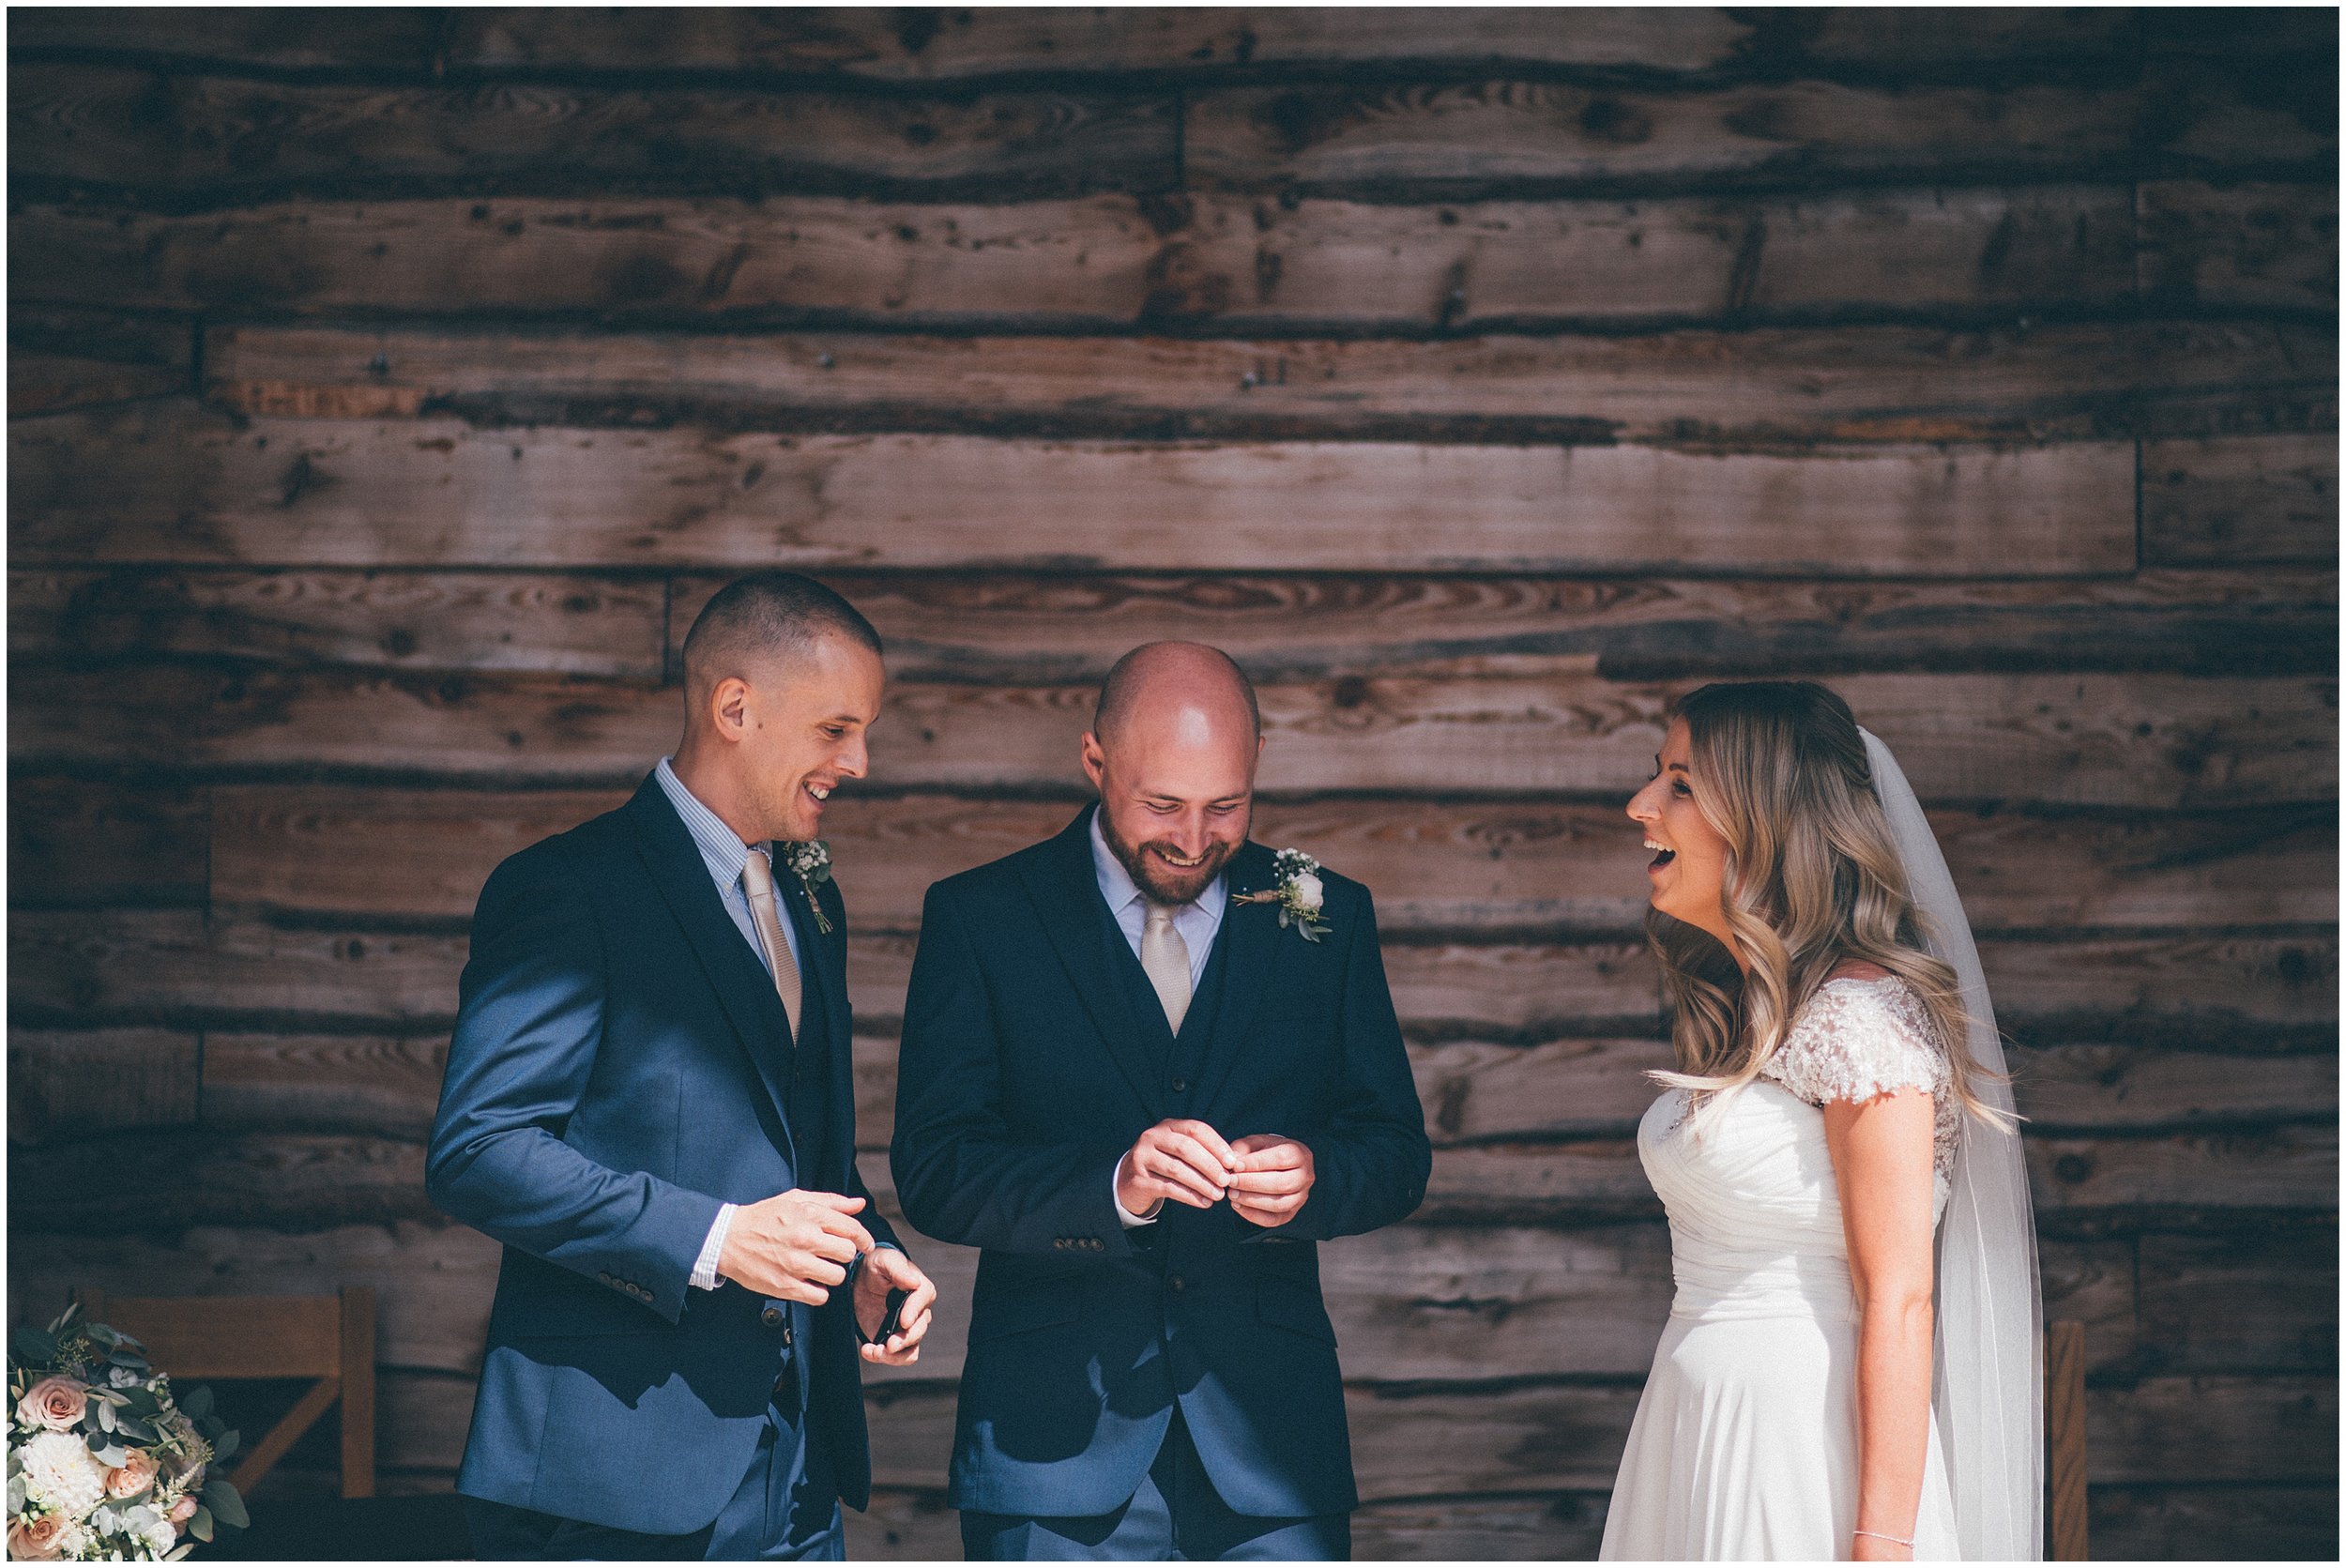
pixel 1850 1368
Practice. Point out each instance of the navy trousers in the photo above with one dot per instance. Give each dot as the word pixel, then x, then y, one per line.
pixel 786 1509
pixel 1176 1517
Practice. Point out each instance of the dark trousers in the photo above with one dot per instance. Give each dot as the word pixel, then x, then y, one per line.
pixel 785 1509
pixel 1176 1517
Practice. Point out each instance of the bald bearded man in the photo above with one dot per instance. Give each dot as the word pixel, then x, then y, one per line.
pixel 1147 1097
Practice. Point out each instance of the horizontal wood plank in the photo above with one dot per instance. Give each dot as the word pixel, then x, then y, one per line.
pixel 2241 1303
pixel 2242 1523
pixel 290 37
pixel 163 1182
pixel 2240 500
pixel 386 1085
pixel 1431 865
pixel 2251 245
pixel 67 1086
pixel 185 485
pixel 75 841
pixel 2113 1088
pixel 947 45
pixel 572 625
pixel 208 140
pixel 1027 628
pixel 2143 741
pixel 1463 137
pixel 1103 260
pixel 1849 384
pixel 61 359
pixel 2252 1429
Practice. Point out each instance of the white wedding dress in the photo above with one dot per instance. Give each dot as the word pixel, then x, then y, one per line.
pixel 1744 1445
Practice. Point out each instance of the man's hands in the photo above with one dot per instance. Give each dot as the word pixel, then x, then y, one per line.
pixel 884 1269
pixel 794 1246
pixel 1271 1178
pixel 1179 1158
pixel 1266 1177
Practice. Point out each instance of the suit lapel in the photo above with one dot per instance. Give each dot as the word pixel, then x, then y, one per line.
pixel 828 951
pixel 1248 943
pixel 1065 892
pixel 744 989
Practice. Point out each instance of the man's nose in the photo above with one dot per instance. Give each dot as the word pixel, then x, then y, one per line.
pixel 854 759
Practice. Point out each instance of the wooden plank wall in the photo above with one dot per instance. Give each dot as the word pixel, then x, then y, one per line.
pixel 389 387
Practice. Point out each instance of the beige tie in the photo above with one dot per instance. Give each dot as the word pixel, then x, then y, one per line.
pixel 1165 958
pixel 757 879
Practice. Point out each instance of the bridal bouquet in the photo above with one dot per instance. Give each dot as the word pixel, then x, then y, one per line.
pixel 105 1462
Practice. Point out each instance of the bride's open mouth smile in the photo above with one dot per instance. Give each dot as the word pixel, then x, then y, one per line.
pixel 1663 856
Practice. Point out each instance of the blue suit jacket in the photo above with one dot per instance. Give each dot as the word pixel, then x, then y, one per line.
pixel 621 1067
pixel 1034 1053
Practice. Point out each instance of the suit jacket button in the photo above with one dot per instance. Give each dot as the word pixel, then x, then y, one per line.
pixel 606 1279
pixel 771 1316
pixel 1059 1242
pixel 1177 1284
pixel 1180 1085
pixel 1097 1244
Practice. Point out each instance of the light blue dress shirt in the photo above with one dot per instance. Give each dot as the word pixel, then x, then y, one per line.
pixel 1198 921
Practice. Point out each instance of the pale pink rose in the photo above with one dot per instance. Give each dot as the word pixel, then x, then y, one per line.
pixel 181 1511
pixel 36 1539
pixel 136 1474
pixel 55 1403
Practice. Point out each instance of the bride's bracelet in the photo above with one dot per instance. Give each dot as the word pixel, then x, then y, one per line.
pixel 1893 1540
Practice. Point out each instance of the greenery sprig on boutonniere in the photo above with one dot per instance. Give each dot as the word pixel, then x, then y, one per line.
pixel 811 859
pixel 1299 895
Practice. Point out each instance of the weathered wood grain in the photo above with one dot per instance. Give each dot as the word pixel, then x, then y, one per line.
pixel 68 1085
pixel 2111 1087
pixel 573 625
pixel 185 485
pixel 1461 138
pixel 1431 865
pixel 290 38
pixel 200 140
pixel 386 1085
pixel 2141 741
pixel 61 359
pixel 1024 628
pixel 161 1182
pixel 432 1279
pixel 1103 260
pixel 74 842
pixel 2242 1523
pixel 2251 245
pixel 2281 1168
pixel 2241 1303
pixel 2233 983
pixel 948 44
pixel 1849 384
pixel 1561 1527
pixel 2259 1429
pixel 2240 500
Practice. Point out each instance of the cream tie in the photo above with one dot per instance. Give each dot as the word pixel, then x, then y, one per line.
pixel 1164 959
pixel 757 879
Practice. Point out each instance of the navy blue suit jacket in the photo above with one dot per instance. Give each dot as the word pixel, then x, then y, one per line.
pixel 1034 1053
pixel 621 1067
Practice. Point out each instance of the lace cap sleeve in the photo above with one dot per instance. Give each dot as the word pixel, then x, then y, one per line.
pixel 1857 1039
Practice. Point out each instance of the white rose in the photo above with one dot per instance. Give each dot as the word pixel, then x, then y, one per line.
pixel 1308 893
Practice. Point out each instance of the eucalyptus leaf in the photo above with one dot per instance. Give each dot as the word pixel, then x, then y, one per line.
pixel 226 1443
pixel 107 1420
pixel 113 1456
pixel 182 1550
pixel 33 1345
pixel 198 1404
pixel 101 1334
pixel 225 1505
pixel 200 1523
pixel 138 1431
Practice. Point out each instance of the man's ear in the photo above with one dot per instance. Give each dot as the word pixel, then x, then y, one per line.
pixel 1095 760
pixel 729 708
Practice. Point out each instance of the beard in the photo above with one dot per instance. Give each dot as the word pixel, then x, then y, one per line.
pixel 1161 882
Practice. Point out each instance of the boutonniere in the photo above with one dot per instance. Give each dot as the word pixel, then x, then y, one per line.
pixel 1299 895
pixel 812 862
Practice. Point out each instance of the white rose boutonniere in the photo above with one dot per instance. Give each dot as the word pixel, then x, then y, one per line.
pixel 811 861
pixel 1299 895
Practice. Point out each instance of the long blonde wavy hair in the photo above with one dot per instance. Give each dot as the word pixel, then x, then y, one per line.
pixel 1812 881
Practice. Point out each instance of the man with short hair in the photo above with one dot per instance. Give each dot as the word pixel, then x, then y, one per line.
pixel 1148 1064
pixel 648 1101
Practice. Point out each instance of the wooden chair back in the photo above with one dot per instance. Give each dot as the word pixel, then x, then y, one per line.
pixel 199 1339
pixel 2065 1441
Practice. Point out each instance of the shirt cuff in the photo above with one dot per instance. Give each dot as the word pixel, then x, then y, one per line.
pixel 1124 1216
pixel 705 1267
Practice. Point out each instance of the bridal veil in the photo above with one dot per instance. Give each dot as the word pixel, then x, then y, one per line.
pixel 1988 1379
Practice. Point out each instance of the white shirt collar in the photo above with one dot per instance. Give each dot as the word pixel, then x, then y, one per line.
pixel 1118 886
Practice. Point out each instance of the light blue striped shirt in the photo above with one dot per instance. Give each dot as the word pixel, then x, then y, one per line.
pixel 724 854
